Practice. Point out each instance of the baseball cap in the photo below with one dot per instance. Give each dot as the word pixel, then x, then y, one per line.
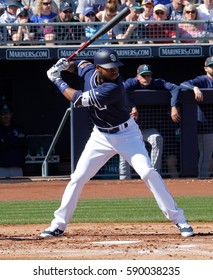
pixel 136 7
pixel 5 108
pixel 144 68
pixel 160 7
pixel 21 11
pixel 64 6
pixel 144 2
pixel 16 3
pixel 209 61
pixel 89 10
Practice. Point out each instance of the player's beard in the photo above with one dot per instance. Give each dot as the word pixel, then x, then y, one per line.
pixel 104 78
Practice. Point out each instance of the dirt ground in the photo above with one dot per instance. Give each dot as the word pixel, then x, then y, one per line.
pixel 110 241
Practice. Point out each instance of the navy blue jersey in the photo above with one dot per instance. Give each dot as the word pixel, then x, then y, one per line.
pixel 200 81
pixel 205 123
pixel 156 84
pixel 107 103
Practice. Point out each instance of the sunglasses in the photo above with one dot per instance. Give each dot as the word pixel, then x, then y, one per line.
pixel 46 3
pixel 68 12
pixel 90 15
pixel 159 13
pixel 190 12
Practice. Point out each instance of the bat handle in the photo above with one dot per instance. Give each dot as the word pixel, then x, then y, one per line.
pixel 80 49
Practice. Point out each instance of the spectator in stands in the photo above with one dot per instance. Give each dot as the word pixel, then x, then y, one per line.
pixel 205 120
pixel 147 13
pixel 160 33
pixel 110 11
pixel 163 2
pixel 9 16
pixel 90 30
pixel 42 13
pixel 20 32
pixel 145 16
pixel 190 30
pixel 98 5
pixel 205 12
pixel 175 10
pixel 30 5
pixel 13 144
pixel 151 135
pixel 66 32
pixel 133 31
pixel 128 3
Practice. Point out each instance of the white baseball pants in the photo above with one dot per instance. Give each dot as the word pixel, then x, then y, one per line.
pixel 98 150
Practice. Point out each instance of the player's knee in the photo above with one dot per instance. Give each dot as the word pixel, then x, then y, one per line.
pixel 147 174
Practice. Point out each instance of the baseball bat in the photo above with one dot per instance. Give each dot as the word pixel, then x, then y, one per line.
pixel 109 25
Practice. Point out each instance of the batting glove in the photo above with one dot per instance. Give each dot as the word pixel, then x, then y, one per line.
pixel 54 74
pixel 62 64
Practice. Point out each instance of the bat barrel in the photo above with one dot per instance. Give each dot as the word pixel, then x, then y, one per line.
pixel 109 25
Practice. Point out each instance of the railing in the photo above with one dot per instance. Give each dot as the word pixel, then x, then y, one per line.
pixel 148 32
pixel 180 140
pixel 44 168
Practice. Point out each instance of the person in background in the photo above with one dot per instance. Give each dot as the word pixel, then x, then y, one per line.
pixel 42 13
pixel 66 32
pixel 163 2
pixel 98 6
pixel 175 10
pixel 9 16
pixel 13 144
pixel 205 121
pixel 128 3
pixel 205 12
pixel 160 33
pixel 151 135
pixel 133 31
pixel 30 5
pixel 20 32
pixel 144 18
pixel 110 11
pixel 188 32
pixel 90 30
pixel 147 13
pixel 114 132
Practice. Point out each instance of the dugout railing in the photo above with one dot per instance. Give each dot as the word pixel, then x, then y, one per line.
pixel 139 33
pixel 180 139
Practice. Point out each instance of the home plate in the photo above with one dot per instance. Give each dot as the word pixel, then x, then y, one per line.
pixel 115 242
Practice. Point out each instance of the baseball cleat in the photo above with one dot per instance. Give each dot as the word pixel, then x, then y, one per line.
pixel 52 233
pixel 185 229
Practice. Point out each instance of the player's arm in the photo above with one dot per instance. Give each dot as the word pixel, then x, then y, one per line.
pixel 54 74
pixel 174 100
pixel 193 85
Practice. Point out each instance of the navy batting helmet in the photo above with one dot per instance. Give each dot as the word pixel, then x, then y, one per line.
pixel 107 58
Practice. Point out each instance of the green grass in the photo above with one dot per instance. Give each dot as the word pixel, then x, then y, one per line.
pixel 197 209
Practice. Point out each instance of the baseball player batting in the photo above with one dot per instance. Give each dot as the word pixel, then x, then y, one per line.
pixel 114 132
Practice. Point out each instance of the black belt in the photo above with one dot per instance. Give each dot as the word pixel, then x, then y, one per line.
pixel 112 130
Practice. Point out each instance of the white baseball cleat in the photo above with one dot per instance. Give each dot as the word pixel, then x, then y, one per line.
pixel 185 229
pixel 52 233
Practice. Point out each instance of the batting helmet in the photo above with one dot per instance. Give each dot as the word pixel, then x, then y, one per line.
pixel 107 58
